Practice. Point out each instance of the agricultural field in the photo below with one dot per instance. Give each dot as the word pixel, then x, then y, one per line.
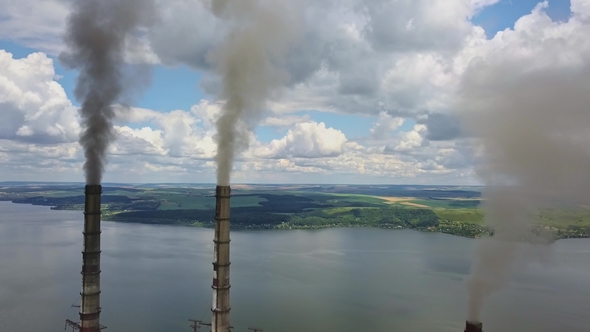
pixel 454 210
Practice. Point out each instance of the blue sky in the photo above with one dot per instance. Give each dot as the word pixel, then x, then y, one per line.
pixel 179 85
pixel 413 96
pixel 505 13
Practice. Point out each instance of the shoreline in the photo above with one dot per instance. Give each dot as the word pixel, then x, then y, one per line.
pixel 455 228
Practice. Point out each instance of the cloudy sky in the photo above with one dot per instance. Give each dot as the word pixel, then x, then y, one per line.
pixel 374 93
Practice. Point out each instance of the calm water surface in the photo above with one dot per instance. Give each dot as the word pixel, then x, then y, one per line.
pixel 156 277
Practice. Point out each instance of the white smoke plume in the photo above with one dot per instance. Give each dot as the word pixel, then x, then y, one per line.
pixel 95 39
pixel 530 110
pixel 250 61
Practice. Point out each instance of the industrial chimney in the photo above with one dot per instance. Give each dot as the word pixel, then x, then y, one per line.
pixel 221 308
pixel 90 302
pixel 473 327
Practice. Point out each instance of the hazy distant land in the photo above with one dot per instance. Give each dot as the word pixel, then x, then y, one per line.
pixel 447 209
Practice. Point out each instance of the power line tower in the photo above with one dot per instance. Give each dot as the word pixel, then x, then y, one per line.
pixel 197 324
pixel 77 327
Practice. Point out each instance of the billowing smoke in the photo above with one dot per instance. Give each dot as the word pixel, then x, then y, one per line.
pixel 250 61
pixel 530 111
pixel 95 37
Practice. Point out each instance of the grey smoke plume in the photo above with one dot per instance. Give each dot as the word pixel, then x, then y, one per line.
pixel 250 61
pixel 530 112
pixel 95 37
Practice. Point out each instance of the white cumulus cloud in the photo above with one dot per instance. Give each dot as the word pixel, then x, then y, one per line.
pixel 33 106
pixel 306 140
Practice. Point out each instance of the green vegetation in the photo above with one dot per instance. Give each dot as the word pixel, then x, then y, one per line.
pixel 558 217
pixel 467 216
pixel 452 210
pixel 386 217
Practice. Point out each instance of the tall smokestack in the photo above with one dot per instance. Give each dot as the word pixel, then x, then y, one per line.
pixel 250 62
pixel 221 285
pixel 90 305
pixel 473 327
pixel 95 37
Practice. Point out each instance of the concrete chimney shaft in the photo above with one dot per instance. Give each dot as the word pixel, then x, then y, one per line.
pixel 90 303
pixel 473 327
pixel 221 285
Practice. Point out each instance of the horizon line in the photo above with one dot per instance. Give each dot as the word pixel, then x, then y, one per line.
pixel 237 183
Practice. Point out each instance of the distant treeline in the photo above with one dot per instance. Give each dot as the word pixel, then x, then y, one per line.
pixel 454 203
pixel 267 217
pixel 115 202
pixel 287 203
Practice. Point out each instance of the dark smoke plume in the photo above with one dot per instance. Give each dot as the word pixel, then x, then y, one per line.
pixel 530 112
pixel 250 62
pixel 95 37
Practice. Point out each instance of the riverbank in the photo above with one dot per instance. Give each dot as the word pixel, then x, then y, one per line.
pixel 467 230
pixel 460 222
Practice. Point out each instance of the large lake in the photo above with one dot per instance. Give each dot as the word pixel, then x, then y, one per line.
pixel 156 277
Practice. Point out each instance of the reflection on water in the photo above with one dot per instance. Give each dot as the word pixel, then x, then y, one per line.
pixel 156 277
